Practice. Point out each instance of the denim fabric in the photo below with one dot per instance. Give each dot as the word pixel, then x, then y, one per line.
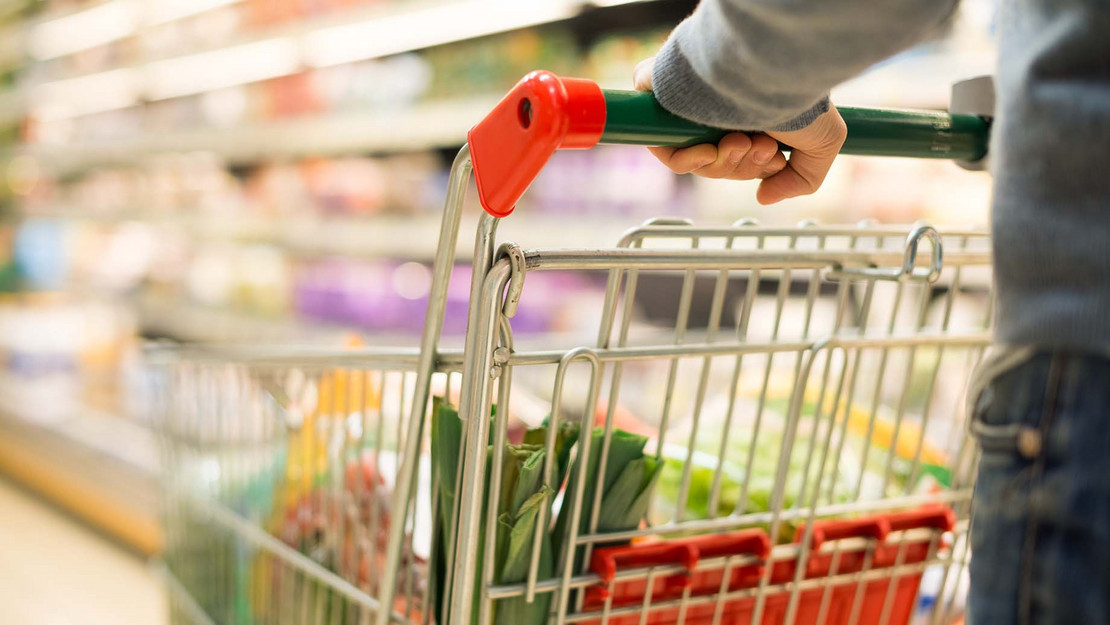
pixel 1041 519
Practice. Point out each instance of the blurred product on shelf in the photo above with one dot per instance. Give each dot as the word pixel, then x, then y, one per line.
pixel 131 258
pixel 449 72
pixel 488 65
pixel 340 241
pixel 400 184
pixel 387 296
pixel 56 255
pixel 201 184
pixel 64 354
pixel 162 29
pixel 608 181
pixel 55 334
pixel 610 60
pixel 390 82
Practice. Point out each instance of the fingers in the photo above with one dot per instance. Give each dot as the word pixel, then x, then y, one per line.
pixel 763 159
pixel 816 147
pixel 686 160
pixel 732 151
pixel 736 157
pixel 641 76
pixel 803 174
pixel 786 184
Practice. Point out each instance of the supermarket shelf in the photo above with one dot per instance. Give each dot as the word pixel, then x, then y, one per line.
pixel 11 105
pixel 376 236
pixel 11 7
pixel 102 468
pixel 181 320
pixel 321 42
pixel 59 33
pixel 419 127
pixel 49 406
pixel 13 41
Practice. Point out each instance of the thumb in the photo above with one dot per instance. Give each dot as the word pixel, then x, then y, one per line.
pixel 804 173
pixel 641 76
pixel 815 148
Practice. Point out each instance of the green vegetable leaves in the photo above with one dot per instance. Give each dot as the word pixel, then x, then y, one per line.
pixel 524 499
pixel 626 486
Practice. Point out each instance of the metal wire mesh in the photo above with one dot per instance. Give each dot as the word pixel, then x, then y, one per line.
pixel 803 375
pixel 279 493
pixel 835 391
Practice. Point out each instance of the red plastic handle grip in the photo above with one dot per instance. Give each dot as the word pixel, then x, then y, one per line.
pixel 824 531
pixel 745 542
pixel 683 551
pixel 878 527
pixel 541 114
pixel 607 561
pixel 932 517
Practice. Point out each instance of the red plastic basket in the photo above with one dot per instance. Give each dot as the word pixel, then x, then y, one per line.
pixel 836 600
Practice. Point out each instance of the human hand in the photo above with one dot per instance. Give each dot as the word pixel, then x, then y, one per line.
pixel 740 156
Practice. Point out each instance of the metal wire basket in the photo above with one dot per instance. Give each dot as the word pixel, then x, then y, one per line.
pixel 795 451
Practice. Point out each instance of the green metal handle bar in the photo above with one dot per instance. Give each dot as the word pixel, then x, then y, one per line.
pixel 544 113
pixel 635 117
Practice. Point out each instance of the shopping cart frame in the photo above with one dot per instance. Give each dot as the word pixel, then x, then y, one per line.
pixel 579 109
pixel 574 114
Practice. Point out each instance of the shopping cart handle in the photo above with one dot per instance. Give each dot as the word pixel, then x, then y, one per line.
pixel 545 112
pixel 635 117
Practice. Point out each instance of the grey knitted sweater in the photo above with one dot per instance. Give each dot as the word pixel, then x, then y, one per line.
pixel 769 64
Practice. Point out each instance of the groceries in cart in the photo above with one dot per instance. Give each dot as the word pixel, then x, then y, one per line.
pixel 731 466
pixel 324 492
pixel 333 504
pixel 639 486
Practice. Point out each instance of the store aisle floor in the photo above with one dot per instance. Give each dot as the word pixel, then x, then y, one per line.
pixel 55 571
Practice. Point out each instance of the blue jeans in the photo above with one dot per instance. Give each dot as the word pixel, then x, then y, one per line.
pixel 1040 530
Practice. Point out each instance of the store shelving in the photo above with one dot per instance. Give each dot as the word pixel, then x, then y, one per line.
pixel 421 127
pixel 125 438
pixel 258 55
pixel 68 31
pixel 336 38
pixel 11 105
pixel 102 467
pixel 180 320
pixel 400 237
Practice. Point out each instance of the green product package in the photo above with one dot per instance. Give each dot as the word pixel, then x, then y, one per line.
pixel 447 431
pixel 523 495
pixel 625 488
pixel 524 498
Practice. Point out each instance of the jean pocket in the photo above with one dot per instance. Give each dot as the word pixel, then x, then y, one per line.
pixel 1010 438
pixel 1002 424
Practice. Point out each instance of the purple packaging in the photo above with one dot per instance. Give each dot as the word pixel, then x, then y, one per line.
pixel 379 296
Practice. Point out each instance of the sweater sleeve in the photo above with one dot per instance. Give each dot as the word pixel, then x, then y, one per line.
pixel 769 64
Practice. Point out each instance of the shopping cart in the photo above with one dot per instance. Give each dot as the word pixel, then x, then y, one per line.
pixel 790 449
